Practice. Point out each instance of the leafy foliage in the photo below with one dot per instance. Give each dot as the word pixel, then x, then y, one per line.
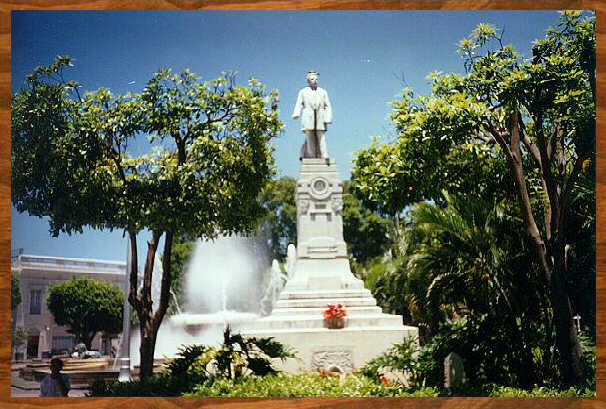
pixel 15 291
pixel 206 157
pixel 304 385
pixel 457 279
pixel 281 221
pixel 487 370
pixel 364 231
pixel 18 336
pixel 508 128
pixel 197 365
pixel 86 306
pixel 404 358
pixel 236 357
pixel 156 385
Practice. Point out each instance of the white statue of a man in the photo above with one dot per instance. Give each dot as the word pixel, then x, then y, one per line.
pixel 313 106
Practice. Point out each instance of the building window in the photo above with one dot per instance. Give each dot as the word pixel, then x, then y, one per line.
pixel 35 297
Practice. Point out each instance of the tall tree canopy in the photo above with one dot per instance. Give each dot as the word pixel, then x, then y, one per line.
pixel 86 307
pixel 534 118
pixel 75 158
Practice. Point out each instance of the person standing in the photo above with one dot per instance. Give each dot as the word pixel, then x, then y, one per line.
pixel 313 106
pixel 57 383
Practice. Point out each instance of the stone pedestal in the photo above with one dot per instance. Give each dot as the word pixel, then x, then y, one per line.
pixel 322 262
pixel 323 276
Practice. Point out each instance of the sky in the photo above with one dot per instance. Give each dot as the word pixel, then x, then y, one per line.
pixel 364 58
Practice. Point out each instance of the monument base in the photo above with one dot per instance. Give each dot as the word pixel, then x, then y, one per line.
pixel 297 321
pixel 322 276
pixel 343 350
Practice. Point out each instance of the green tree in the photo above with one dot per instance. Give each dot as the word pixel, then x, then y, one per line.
pixel 364 231
pixel 86 307
pixel 18 338
pixel 535 116
pixel 15 291
pixel 75 158
pixel 281 221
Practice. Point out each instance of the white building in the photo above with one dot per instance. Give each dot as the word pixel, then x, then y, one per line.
pixel 36 274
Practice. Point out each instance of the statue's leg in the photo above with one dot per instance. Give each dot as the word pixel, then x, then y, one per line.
pixel 322 145
pixel 311 144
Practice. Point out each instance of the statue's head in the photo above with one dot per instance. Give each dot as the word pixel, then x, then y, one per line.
pixel 312 78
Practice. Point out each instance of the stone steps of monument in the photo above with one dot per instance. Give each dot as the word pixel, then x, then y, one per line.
pixel 302 322
pixel 306 294
pixel 362 331
pixel 322 302
pixel 351 311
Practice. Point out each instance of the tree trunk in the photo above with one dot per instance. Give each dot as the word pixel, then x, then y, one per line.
pixel 149 322
pixel 551 262
pixel 567 340
pixel 88 340
pixel 146 350
pixel 144 306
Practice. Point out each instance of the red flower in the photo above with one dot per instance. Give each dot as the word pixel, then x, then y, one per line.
pixel 334 311
pixel 384 380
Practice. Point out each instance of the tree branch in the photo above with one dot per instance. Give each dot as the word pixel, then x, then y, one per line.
pixel 500 140
pixel 166 280
pixel 547 176
pixel 532 147
pixel 152 245
pixel 486 139
pixel 520 179
pixel 572 179
pixel 134 298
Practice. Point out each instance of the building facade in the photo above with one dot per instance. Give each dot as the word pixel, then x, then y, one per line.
pixel 36 274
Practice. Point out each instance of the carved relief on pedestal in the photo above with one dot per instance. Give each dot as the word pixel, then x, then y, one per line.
pixel 333 360
pixel 337 205
pixel 303 205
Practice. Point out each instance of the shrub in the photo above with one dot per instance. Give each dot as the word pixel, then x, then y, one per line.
pixel 536 392
pixel 157 385
pixel 199 364
pixel 303 385
pixel 405 357
pixel 236 357
pixel 589 361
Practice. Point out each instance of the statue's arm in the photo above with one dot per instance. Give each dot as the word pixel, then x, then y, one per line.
pixel 298 106
pixel 327 109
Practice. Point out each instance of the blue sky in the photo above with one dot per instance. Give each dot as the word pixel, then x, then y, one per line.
pixel 364 58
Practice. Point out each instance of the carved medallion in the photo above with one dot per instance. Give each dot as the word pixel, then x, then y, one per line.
pixel 340 361
pixel 319 188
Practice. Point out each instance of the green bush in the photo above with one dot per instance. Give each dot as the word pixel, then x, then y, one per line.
pixel 157 385
pixel 536 392
pixel 198 364
pixel 406 357
pixel 304 385
pixel 236 357
pixel 424 366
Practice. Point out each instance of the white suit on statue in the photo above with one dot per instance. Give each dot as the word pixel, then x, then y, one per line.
pixel 312 101
pixel 308 101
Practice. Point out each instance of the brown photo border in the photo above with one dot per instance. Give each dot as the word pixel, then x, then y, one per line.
pixel 227 403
